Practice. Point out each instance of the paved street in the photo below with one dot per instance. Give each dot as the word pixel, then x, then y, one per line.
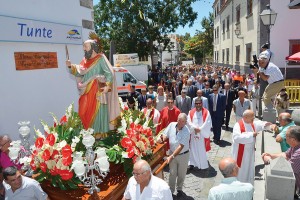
pixel 198 182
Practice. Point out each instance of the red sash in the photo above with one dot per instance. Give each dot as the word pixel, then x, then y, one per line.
pixel 242 146
pixel 204 115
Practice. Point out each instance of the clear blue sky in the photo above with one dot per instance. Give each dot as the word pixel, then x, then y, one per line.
pixel 202 7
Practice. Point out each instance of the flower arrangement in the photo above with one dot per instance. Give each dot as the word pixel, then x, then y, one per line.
pixel 132 140
pixel 52 154
pixel 57 152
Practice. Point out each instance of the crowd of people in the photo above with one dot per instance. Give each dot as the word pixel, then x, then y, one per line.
pixel 194 101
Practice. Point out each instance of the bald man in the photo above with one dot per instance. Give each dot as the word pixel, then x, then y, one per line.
pixel 240 105
pixel 143 185
pixel 230 188
pixel 285 121
pixel 244 137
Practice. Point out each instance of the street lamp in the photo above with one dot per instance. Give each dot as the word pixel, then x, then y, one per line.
pixel 268 17
pixel 237 32
pixel 160 49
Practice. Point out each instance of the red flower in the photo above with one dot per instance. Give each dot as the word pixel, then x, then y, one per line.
pixel 147 132
pixel 54 125
pixel 130 152
pixel 151 140
pixel 130 133
pixel 46 155
pixel 53 171
pixel 66 151
pixel 32 165
pixel 34 153
pixel 39 142
pixel 126 142
pixel 66 160
pixel 43 167
pixel 50 139
pixel 139 128
pixel 63 119
pixel 65 174
pixel 54 153
pixel 132 125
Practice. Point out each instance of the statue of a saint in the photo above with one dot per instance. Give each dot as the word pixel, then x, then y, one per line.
pixel 98 102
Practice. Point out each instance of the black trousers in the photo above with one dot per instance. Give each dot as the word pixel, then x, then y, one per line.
pixel 227 114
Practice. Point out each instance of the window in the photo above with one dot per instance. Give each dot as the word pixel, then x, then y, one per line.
pixel 227 55
pixel 227 19
pixel 128 77
pixel 223 55
pixel 238 13
pixel 248 52
pixel 217 60
pixel 217 32
pixel 237 53
pixel 249 7
pixel 294 48
pixel 223 24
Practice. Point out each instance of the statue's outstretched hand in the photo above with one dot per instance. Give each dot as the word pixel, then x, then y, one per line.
pixel 68 63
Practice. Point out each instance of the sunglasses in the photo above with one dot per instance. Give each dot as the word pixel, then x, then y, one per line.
pixel 197 103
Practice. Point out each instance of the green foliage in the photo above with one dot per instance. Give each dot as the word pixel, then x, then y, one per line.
pixel 135 24
pixel 201 45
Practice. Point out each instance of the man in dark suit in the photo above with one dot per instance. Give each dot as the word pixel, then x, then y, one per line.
pixel 229 96
pixel 207 90
pixel 142 98
pixel 183 102
pixel 191 89
pixel 217 105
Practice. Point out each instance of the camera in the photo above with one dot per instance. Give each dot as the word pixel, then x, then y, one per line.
pixel 255 63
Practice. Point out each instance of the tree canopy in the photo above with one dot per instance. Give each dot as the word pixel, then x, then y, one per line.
pixel 201 45
pixel 135 24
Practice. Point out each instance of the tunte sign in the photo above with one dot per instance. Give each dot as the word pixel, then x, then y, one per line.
pixel 27 30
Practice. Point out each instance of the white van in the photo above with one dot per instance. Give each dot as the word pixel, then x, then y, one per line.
pixel 125 79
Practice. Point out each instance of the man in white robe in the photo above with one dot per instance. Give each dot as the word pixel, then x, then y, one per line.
pixel 151 112
pixel 243 147
pixel 199 121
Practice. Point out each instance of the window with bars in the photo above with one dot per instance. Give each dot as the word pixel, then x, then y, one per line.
pixel 237 53
pixel 227 55
pixel 249 7
pixel 223 55
pixel 238 14
pixel 248 52
pixel 227 23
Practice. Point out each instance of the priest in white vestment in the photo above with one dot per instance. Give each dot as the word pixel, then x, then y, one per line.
pixel 243 147
pixel 151 112
pixel 199 122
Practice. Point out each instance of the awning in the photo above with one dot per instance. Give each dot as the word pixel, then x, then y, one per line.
pixel 294 4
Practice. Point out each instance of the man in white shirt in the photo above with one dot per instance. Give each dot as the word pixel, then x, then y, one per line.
pixel 268 71
pixel 244 137
pixel 230 188
pixel 204 99
pixel 18 187
pixel 179 137
pixel 143 185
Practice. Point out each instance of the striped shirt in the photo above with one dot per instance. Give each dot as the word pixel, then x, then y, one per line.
pixel 293 156
pixel 273 72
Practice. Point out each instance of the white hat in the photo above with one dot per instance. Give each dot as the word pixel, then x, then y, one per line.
pixel 264 55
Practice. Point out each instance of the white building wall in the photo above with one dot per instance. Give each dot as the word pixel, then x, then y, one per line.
pixel 286 28
pixel 32 94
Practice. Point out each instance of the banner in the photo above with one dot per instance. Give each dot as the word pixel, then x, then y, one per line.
pixel 26 30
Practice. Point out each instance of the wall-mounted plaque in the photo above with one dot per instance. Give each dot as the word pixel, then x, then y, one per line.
pixel 35 60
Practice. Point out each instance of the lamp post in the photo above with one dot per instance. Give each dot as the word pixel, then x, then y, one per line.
pixel 237 32
pixel 160 49
pixel 268 18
